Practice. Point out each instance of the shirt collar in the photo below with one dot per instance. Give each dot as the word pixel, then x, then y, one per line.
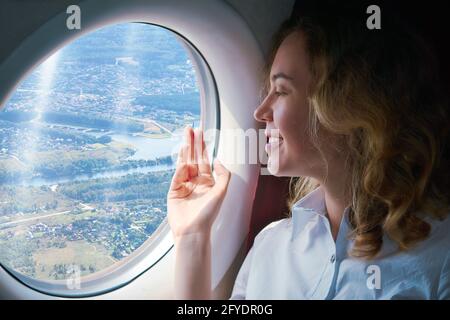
pixel 313 201
pixel 313 205
pixel 303 210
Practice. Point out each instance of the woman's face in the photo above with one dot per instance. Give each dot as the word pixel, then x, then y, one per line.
pixel 285 110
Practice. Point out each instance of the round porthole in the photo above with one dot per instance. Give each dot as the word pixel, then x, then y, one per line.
pixel 227 60
pixel 88 149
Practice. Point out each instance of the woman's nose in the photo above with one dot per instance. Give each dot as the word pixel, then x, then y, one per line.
pixel 263 113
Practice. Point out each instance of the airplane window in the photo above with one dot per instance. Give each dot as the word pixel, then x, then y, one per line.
pixel 88 147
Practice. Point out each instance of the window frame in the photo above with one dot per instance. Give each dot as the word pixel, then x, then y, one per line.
pixel 160 243
pixel 234 49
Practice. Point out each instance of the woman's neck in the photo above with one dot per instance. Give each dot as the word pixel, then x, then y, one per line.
pixel 335 189
pixel 335 203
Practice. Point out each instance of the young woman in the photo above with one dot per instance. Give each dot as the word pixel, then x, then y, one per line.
pixel 363 131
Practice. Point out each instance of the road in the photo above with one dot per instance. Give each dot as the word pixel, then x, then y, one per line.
pixel 5 224
pixel 152 122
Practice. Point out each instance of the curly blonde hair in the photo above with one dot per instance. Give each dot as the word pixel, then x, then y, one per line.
pixel 378 92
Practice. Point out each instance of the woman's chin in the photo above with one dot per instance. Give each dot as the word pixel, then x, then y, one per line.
pixel 274 167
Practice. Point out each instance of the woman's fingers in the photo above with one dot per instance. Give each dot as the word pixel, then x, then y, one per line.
pixel 182 156
pixel 222 176
pixel 201 155
pixel 181 174
pixel 189 141
pixel 205 156
pixel 192 163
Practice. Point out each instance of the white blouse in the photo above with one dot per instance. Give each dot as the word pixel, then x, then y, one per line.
pixel 297 258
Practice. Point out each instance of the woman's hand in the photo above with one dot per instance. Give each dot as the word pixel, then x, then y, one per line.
pixel 193 201
pixel 194 197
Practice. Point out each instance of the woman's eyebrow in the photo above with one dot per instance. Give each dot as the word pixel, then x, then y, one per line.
pixel 281 75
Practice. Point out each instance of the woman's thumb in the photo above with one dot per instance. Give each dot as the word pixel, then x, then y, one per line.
pixel 222 175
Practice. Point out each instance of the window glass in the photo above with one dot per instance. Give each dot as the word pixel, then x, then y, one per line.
pixel 87 150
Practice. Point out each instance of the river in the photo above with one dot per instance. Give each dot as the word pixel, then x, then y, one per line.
pixel 150 148
pixel 146 149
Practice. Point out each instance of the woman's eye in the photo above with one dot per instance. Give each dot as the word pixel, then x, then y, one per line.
pixel 279 93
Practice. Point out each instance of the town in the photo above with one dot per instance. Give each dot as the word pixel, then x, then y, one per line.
pixel 87 153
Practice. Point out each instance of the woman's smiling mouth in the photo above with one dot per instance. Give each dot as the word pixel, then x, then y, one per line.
pixel 273 142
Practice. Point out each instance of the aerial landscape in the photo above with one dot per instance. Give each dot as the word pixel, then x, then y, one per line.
pixel 88 144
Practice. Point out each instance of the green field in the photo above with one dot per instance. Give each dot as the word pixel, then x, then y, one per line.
pixel 86 256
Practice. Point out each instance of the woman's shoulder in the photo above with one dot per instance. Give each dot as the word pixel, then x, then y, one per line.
pixel 436 253
pixel 436 245
pixel 439 232
pixel 275 229
pixel 431 254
